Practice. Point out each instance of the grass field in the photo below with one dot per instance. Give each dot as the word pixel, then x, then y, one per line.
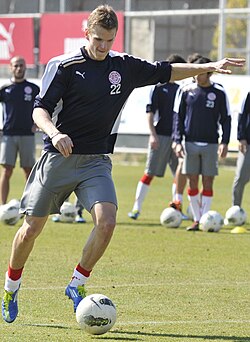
pixel 168 284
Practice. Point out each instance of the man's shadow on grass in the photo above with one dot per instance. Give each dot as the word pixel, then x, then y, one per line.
pixel 179 336
pixel 138 335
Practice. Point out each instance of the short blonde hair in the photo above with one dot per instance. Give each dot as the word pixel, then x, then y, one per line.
pixel 103 15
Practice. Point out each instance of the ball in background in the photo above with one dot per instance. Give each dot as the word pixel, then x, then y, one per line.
pixel 235 216
pixel 9 212
pixel 96 314
pixel 171 218
pixel 68 212
pixel 211 221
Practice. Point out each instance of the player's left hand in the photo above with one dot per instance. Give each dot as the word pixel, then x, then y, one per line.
pixel 221 66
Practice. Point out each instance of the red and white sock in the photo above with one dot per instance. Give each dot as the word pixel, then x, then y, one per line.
pixel 194 198
pixel 141 191
pixel 80 276
pixel 13 279
pixel 206 200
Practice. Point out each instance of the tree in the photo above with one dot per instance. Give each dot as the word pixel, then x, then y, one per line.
pixel 236 33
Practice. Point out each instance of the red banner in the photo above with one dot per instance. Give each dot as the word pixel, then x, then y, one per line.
pixel 62 33
pixel 16 38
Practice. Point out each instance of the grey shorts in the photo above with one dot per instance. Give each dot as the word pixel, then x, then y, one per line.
pixel 54 178
pixel 157 160
pixel 12 145
pixel 200 160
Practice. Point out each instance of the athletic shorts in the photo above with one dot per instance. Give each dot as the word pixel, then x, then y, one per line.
pixel 54 178
pixel 200 159
pixel 12 145
pixel 157 160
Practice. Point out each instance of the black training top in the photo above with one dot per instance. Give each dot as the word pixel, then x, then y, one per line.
pixel 18 100
pixel 85 97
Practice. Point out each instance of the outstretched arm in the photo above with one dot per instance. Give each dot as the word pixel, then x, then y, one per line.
pixel 185 70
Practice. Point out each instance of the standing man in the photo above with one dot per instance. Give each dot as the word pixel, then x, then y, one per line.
pixel 160 153
pixel 202 108
pixel 242 174
pixel 17 97
pixel 79 109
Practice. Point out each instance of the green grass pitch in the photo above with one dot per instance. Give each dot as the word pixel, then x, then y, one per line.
pixel 168 284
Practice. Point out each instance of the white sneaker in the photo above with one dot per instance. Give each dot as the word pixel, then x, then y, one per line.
pixel 80 219
pixel 56 218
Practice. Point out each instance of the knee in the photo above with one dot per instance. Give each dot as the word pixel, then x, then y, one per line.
pixel 7 172
pixel 27 233
pixel 107 226
pixel 30 230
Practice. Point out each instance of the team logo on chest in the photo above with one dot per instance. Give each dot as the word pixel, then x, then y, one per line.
pixel 115 77
pixel 28 90
pixel 27 93
pixel 211 97
pixel 115 80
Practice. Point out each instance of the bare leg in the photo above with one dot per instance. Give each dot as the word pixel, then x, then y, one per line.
pixel 6 174
pixel 181 179
pixel 27 171
pixel 104 217
pixel 24 240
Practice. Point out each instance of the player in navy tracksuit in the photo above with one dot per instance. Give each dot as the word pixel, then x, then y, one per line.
pixel 79 108
pixel 160 153
pixel 202 107
pixel 17 97
pixel 242 174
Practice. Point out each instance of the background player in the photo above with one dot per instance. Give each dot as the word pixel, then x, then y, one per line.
pixel 160 153
pixel 242 174
pixel 201 107
pixel 17 97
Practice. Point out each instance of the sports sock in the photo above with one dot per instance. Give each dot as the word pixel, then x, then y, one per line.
pixel 179 197
pixel 194 198
pixel 10 284
pixel 141 191
pixel 14 274
pixel 206 200
pixel 80 276
pixel 174 191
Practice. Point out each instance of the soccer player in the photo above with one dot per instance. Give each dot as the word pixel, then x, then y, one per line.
pixel 242 174
pixel 17 97
pixel 160 153
pixel 202 108
pixel 78 108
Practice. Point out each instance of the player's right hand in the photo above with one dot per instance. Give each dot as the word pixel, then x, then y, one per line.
pixel 63 143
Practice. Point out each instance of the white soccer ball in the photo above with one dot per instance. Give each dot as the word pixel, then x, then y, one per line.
pixel 171 218
pixel 211 221
pixel 68 212
pixel 96 314
pixel 9 212
pixel 235 216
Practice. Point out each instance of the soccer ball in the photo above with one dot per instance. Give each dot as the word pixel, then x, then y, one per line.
pixel 235 216
pixel 96 314
pixel 211 221
pixel 9 212
pixel 68 212
pixel 171 218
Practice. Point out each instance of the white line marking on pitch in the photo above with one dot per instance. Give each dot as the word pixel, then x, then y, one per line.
pixel 141 285
pixel 129 323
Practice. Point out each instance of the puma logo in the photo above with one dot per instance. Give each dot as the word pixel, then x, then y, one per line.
pixel 81 74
